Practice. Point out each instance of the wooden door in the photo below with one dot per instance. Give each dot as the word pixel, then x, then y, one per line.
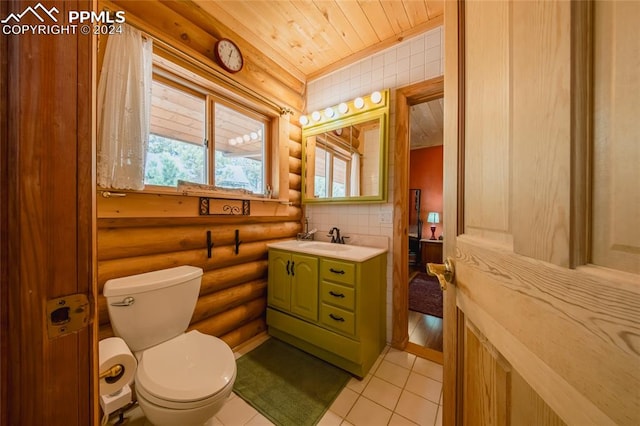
pixel 46 219
pixel 542 203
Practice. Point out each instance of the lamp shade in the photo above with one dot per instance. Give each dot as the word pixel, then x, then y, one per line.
pixel 433 217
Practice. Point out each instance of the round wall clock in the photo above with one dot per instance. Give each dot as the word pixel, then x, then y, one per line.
pixel 228 55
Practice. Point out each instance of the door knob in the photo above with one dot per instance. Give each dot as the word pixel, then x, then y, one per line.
pixel 443 271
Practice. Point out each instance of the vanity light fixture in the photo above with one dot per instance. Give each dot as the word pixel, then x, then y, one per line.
pixel 375 100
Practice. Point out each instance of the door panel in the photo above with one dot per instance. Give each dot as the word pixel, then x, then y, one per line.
pixel 538 334
pixel 304 286
pixel 616 196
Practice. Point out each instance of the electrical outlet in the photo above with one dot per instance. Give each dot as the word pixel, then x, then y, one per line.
pixel 384 217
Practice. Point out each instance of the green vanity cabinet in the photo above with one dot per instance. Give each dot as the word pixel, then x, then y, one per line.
pixel 334 310
pixel 293 283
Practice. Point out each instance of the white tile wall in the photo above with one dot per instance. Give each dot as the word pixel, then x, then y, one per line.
pixel 416 59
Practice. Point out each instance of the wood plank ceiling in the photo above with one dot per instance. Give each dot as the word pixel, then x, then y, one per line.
pixel 314 37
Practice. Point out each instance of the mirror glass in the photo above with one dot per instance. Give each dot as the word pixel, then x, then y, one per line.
pixel 344 160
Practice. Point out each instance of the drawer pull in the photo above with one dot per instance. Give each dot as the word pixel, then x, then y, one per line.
pixel 335 318
pixel 288 262
pixel 340 295
pixel 336 271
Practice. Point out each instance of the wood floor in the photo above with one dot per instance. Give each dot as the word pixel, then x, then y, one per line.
pixel 424 330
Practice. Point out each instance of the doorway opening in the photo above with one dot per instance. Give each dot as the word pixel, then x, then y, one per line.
pixel 406 98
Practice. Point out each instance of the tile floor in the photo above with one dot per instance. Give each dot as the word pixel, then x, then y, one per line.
pixel 400 389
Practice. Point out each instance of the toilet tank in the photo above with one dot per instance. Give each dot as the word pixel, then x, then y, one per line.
pixel 148 309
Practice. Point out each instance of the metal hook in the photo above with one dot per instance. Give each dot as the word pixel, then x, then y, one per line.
pixel 238 241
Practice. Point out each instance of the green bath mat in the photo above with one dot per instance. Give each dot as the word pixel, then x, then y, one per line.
pixel 287 385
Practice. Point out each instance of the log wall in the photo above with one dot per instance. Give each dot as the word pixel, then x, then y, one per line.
pixel 232 299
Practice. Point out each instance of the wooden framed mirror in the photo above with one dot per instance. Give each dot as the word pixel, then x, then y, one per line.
pixel 344 152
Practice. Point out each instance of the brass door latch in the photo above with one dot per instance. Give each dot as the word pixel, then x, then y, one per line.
pixel 67 314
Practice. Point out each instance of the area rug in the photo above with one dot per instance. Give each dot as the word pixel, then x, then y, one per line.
pixel 287 385
pixel 425 295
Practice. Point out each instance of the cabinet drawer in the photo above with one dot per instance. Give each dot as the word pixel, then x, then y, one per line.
pixel 338 319
pixel 334 270
pixel 337 295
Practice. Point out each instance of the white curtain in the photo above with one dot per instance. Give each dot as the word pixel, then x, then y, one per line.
pixel 124 105
pixel 355 174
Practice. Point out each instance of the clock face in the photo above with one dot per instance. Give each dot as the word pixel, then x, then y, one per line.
pixel 228 55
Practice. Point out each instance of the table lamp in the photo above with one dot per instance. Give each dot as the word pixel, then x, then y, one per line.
pixel 433 218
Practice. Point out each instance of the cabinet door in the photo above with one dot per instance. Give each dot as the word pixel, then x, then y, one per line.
pixel 304 286
pixel 279 290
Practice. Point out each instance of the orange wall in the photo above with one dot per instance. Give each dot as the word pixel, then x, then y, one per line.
pixel 425 173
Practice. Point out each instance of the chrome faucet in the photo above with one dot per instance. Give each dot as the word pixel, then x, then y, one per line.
pixel 335 236
pixel 307 235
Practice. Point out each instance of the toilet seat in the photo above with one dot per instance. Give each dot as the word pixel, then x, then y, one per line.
pixel 188 371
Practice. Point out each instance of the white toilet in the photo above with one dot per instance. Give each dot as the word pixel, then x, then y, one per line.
pixel 182 379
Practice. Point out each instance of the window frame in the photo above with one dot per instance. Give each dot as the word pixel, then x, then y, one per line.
pixel 212 93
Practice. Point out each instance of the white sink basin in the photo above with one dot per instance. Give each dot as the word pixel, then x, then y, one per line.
pixel 327 246
pixel 337 251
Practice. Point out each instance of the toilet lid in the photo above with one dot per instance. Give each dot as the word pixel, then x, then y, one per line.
pixel 189 367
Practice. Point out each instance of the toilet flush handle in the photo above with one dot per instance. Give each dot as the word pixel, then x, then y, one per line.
pixel 127 301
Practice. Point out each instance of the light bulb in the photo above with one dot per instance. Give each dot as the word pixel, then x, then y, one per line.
pixel 359 103
pixel 328 113
pixel 239 139
pixel 315 115
pixel 232 141
pixel 343 108
pixel 246 138
pixel 254 136
pixel 304 120
pixel 376 97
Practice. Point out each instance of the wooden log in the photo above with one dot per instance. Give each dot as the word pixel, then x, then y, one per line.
pixel 295 182
pixel 222 278
pixel 221 257
pixel 295 196
pixel 220 301
pixel 295 131
pixel 242 334
pixel 115 243
pixel 295 149
pixel 212 281
pixel 295 166
pixel 232 319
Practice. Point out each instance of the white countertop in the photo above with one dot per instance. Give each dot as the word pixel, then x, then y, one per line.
pixel 338 251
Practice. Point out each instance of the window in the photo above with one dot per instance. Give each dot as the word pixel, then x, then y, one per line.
pixel 199 136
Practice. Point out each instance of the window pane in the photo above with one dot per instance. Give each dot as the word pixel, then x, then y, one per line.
pixel 339 183
pixel 176 143
pixel 169 160
pixel 320 183
pixel 240 147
